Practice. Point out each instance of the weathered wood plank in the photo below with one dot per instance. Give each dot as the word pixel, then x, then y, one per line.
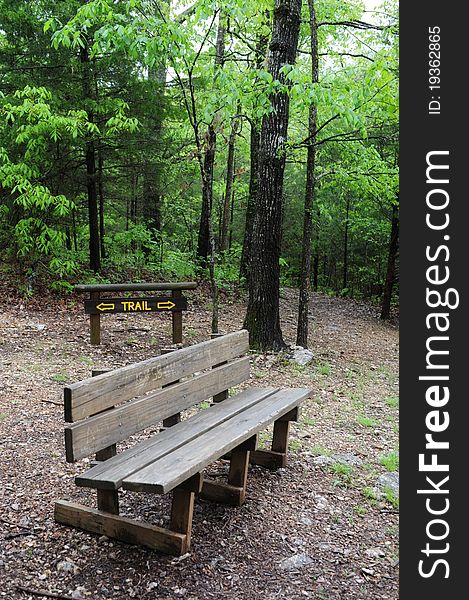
pixel 109 475
pixel 169 471
pixel 268 459
pixel 88 436
pixel 96 394
pixel 120 528
pixel 135 287
pixel 224 493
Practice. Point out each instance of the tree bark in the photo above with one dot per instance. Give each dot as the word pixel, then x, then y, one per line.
pixel 90 161
pixel 345 257
pixel 226 213
pixel 152 196
pixel 391 269
pixel 204 238
pixel 101 203
pixel 261 50
pixel 230 237
pixel 305 270
pixel 263 311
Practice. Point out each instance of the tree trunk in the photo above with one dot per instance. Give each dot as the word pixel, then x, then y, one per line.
pixel 203 244
pixel 204 239
pixel 152 196
pixel 230 239
pixel 74 230
pixel 391 269
pixel 226 213
pixel 95 259
pixel 90 161
pixel 345 273
pixel 101 203
pixel 251 206
pixel 263 311
pixel 305 272
pixel 151 187
pixel 261 50
pixel 316 252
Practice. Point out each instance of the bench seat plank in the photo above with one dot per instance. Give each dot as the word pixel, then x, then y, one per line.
pixel 110 474
pixel 162 475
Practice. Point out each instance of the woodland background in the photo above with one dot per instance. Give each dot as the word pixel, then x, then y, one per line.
pixel 147 140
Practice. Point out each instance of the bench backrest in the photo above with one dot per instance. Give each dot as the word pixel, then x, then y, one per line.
pixel 111 407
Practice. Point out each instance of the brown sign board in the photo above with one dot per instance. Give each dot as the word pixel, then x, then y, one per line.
pixel 104 306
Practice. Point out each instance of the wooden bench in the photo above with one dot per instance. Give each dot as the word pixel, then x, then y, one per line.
pixel 107 409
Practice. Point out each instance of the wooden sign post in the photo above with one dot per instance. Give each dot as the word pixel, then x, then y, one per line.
pixel 175 304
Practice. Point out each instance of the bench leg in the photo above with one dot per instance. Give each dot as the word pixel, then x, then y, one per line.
pixel 182 509
pixel 232 493
pixel 108 501
pixel 277 457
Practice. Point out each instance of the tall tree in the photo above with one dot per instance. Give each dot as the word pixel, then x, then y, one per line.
pixel 255 135
pixel 204 244
pixel 90 161
pixel 230 174
pixel 391 267
pixel 305 269
pixel 263 311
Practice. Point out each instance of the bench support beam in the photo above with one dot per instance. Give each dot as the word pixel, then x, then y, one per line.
pixel 216 491
pixel 120 528
pixel 232 493
pixel 277 457
pixel 108 500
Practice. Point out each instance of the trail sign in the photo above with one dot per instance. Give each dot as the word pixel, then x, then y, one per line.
pixel 135 305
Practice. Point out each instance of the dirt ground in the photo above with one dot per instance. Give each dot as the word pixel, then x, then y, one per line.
pixel 319 529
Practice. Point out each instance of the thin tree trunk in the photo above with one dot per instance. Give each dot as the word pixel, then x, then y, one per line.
pixel 261 50
pixel 391 269
pixel 101 202
pixel 305 271
pixel 316 252
pixel 251 206
pixel 346 235
pixel 225 221
pixel 90 161
pixel 95 259
pixel 204 239
pixel 152 196
pixel 233 195
pixel 263 311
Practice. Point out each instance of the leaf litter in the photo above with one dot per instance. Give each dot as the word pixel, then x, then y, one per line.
pixel 313 530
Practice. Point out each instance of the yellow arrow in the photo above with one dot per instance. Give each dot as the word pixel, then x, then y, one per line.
pixel 104 306
pixel 168 305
